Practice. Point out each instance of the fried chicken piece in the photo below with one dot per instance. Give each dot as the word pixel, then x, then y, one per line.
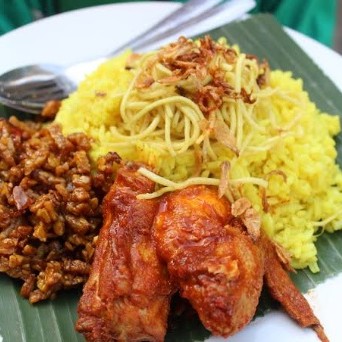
pixel 283 290
pixel 128 293
pixel 216 265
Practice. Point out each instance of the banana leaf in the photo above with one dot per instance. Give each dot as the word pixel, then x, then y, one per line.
pixel 54 320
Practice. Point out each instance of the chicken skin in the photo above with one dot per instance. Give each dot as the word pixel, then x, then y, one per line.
pixel 127 296
pixel 219 266
pixel 216 265
pixel 210 256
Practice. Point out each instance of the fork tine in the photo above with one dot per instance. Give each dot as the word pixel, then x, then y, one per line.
pixel 62 81
pixel 28 91
pixel 23 106
pixel 12 86
pixel 55 94
pixel 35 91
pixel 38 95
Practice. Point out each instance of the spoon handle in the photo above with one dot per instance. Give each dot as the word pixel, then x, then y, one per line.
pixel 211 12
pixel 187 12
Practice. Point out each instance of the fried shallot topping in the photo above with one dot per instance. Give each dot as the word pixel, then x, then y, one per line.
pixel 198 70
pixel 243 209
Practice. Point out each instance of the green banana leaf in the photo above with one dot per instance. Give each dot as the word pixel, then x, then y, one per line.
pixel 54 320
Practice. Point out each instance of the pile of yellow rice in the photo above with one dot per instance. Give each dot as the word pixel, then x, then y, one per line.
pixel 286 153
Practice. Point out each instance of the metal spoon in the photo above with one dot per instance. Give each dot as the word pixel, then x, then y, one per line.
pixel 28 88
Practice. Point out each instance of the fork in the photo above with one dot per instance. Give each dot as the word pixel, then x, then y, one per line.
pixel 29 88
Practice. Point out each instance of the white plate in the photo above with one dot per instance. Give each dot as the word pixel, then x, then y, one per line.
pixel 90 33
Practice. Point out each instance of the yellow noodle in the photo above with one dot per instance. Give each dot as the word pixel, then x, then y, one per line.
pixel 238 72
pixel 141 135
pixel 172 186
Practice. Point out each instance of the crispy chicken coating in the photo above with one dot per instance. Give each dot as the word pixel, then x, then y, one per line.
pixel 211 257
pixel 215 263
pixel 128 293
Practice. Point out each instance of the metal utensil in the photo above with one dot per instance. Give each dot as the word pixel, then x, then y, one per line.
pixel 28 88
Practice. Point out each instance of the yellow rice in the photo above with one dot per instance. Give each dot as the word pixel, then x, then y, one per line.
pixel 304 189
